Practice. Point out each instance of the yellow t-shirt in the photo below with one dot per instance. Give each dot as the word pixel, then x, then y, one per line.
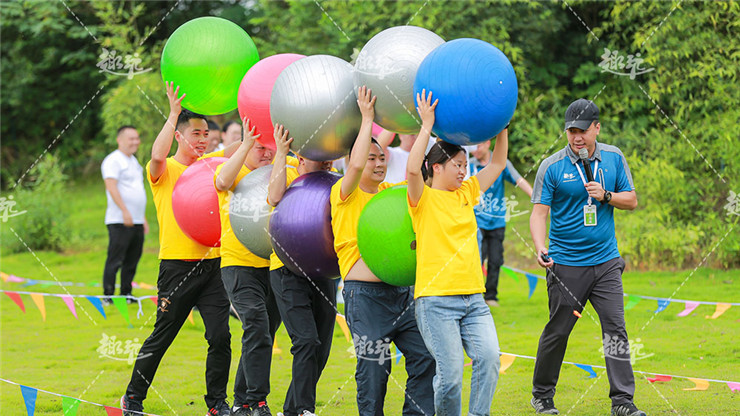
pixel 345 215
pixel 447 257
pixel 291 174
pixel 173 243
pixel 233 252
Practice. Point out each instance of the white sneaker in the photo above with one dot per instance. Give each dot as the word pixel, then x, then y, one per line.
pixel 280 414
pixel 307 413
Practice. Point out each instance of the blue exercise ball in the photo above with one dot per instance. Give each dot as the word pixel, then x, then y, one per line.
pixel 476 87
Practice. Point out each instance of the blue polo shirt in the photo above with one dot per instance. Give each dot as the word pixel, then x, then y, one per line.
pixel 559 186
pixel 490 213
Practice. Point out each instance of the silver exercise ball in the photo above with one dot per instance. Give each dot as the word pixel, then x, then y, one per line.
pixel 387 64
pixel 249 212
pixel 314 99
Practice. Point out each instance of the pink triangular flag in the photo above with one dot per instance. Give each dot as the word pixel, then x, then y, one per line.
pixel 506 361
pixel 690 306
pixel 659 377
pixel 38 299
pixel 700 384
pixel 17 299
pixel 734 386
pixel 721 308
pixel 70 302
pixel 15 279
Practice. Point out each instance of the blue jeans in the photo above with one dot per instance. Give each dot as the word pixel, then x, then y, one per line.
pixel 448 324
pixel 378 314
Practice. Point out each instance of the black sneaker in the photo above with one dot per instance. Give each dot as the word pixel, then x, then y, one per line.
pixel 627 409
pixel 131 407
pixel 221 408
pixel 243 410
pixel 544 406
pixel 261 410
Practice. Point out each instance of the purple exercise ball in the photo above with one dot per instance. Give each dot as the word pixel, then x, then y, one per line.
pixel 301 229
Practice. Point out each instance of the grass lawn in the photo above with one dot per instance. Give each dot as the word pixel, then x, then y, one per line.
pixel 59 355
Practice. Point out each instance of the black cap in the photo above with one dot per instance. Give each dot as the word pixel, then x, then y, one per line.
pixel 580 114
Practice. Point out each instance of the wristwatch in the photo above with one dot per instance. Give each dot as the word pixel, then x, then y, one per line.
pixel 607 197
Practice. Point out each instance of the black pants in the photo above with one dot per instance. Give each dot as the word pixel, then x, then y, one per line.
pixel 124 251
pixel 251 294
pixel 568 288
pixel 378 314
pixel 182 285
pixel 492 248
pixel 308 309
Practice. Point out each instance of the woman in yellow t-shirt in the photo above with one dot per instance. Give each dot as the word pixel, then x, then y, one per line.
pixel 450 309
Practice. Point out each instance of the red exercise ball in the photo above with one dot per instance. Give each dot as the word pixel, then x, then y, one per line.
pixel 195 202
pixel 253 99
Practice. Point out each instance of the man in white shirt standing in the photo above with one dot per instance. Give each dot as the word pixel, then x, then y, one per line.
pixel 124 217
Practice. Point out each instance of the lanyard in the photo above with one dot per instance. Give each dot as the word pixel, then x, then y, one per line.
pixel 583 178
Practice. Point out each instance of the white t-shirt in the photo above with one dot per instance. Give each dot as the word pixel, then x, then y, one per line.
pixel 397 159
pixel 130 176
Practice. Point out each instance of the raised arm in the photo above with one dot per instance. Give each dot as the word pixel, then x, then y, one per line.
pixel 385 138
pixel 163 142
pixel 278 179
pixel 361 148
pixel 226 177
pixel 487 176
pixel 416 156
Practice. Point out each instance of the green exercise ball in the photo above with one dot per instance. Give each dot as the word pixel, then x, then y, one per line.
pixel 386 238
pixel 208 57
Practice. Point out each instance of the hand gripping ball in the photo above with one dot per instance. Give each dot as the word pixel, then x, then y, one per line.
pixel 195 202
pixel 249 212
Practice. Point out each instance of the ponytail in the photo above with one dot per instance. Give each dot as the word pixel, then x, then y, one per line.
pixel 440 153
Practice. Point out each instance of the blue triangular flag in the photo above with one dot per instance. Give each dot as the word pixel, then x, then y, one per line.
pixel 29 396
pixel 662 304
pixel 30 282
pixel 588 369
pixel 532 280
pixel 97 304
pixel 399 354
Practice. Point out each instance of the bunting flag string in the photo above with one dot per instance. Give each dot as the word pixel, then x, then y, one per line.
pixel 632 300
pixel 70 405
pixel 11 278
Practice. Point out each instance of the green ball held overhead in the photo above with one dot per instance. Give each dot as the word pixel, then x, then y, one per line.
pixel 386 238
pixel 207 58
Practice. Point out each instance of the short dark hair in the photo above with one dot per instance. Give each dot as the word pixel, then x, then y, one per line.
pixel 185 116
pixel 440 153
pixel 124 127
pixel 212 125
pixel 228 124
pixel 373 141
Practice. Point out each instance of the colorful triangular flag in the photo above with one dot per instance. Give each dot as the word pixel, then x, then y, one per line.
pixel 120 304
pixel 113 411
pixel 506 361
pixel 399 354
pixel 190 317
pixel 721 308
pixel 632 301
pixel 275 349
pixel 532 281
pixel 154 299
pixel 38 299
pixel 587 368
pixel 700 384
pixel 734 386
pixel 97 304
pixel 662 304
pixel 343 325
pixel 70 405
pixel 17 299
pixel 690 306
pixel 4 276
pixel 659 377
pixel 510 273
pixel 29 397
pixel 70 302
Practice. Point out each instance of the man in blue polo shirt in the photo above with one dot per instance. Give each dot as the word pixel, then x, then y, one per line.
pixel 491 215
pixel 579 187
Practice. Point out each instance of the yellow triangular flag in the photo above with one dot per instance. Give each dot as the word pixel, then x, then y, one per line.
pixel 506 361
pixel 343 324
pixel 190 317
pixel 38 299
pixel 721 308
pixel 701 384
pixel 4 276
pixel 275 348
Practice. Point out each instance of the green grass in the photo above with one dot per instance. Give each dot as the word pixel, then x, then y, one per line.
pixel 59 355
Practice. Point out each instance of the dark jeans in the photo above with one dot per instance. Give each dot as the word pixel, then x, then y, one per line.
pixel 308 309
pixel 124 251
pixel 378 314
pixel 182 285
pixel 492 248
pixel 251 294
pixel 569 288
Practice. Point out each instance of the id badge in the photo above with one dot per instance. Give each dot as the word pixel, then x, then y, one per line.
pixel 589 215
